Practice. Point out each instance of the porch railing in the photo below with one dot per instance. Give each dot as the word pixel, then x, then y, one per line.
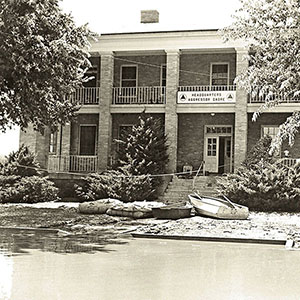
pixel 85 96
pixel 139 95
pixel 72 163
pixel 206 88
pixel 289 162
pixel 281 97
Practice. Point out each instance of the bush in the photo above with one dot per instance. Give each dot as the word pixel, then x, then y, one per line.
pixel 114 184
pixel 30 189
pixel 20 184
pixel 17 161
pixel 264 187
pixel 260 151
pixel 143 149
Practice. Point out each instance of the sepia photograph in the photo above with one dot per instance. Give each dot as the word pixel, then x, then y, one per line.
pixel 149 150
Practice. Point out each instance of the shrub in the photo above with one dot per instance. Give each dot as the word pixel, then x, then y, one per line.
pixel 264 187
pixel 260 151
pixel 30 189
pixel 21 184
pixel 22 157
pixel 114 184
pixel 143 150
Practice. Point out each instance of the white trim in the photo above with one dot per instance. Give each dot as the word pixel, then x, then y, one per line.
pixel 219 63
pixel 96 136
pixel 121 73
pixel 217 135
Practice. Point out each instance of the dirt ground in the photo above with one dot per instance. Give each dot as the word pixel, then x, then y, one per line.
pixel 64 216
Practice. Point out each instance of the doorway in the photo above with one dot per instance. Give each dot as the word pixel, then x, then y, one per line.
pixel 218 149
pixel 87 145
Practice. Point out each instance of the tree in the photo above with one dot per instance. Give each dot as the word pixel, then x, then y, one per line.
pixel 43 57
pixel 143 149
pixel 260 151
pixel 271 30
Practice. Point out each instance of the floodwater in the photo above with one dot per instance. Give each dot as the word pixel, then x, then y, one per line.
pixel 35 266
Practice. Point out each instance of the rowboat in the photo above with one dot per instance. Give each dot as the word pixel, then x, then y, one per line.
pixel 171 212
pixel 218 208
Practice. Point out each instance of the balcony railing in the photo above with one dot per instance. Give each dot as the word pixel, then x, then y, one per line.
pixel 72 163
pixel 139 95
pixel 261 98
pixel 206 88
pixel 289 161
pixel 85 96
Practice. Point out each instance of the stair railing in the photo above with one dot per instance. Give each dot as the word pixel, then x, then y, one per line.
pixel 199 169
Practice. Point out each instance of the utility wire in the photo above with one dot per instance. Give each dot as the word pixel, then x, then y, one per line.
pixel 159 66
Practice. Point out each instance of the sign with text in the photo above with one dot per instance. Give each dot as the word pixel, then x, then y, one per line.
pixel 206 97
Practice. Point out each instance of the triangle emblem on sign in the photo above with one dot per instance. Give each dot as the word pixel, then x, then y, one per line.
pixel 183 97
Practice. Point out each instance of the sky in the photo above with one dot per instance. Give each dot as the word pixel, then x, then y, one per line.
pixel 124 16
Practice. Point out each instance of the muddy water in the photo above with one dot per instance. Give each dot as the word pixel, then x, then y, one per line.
pixel 143 269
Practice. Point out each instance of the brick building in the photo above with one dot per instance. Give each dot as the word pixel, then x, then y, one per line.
pixel 185 78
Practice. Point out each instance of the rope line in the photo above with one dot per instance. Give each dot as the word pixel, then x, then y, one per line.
pixel 86 174
pixel 126 176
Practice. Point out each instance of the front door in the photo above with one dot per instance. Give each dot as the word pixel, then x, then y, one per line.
pixel 211 154
pixel 227 154
pixel 87 140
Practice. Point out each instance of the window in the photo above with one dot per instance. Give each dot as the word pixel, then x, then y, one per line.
pixel 128 76
pixel 211 146
pixel 225 130
pixel 163 75
pixel 228 148
pixel 219 74
pixel 124 130
pixel 123 133
pixel 91 72
pixel 272 131
pixel 53 142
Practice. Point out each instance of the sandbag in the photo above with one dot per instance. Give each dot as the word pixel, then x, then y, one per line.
pixel 98 207
pixel 136 210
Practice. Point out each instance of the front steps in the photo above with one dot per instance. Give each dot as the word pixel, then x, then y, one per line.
pixel 179 188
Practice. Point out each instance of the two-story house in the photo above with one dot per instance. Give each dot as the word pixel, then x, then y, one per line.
pixel 185 78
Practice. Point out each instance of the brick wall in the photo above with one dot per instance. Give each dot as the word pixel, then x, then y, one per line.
pixel 254 130
pixel 200 63
pixel 148 75
pixel 37 143
pixel 191 136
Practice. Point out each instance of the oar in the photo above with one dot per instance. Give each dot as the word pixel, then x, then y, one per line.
pixel 230 202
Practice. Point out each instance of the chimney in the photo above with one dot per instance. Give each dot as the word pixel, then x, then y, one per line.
pixel 149 16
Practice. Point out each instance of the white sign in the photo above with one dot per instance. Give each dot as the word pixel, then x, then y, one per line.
pixel 206 97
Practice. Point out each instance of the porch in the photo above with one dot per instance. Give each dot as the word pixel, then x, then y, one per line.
pixel 73 163
pixel 85 96
pixel 139 95
pixel 261 98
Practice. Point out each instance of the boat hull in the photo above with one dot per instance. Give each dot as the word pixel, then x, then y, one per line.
pixel 171 212
pixel 218 208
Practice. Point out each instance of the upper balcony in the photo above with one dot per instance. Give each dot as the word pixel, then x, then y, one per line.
pixel 261 98
pixel 139 95
pixel 85 96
